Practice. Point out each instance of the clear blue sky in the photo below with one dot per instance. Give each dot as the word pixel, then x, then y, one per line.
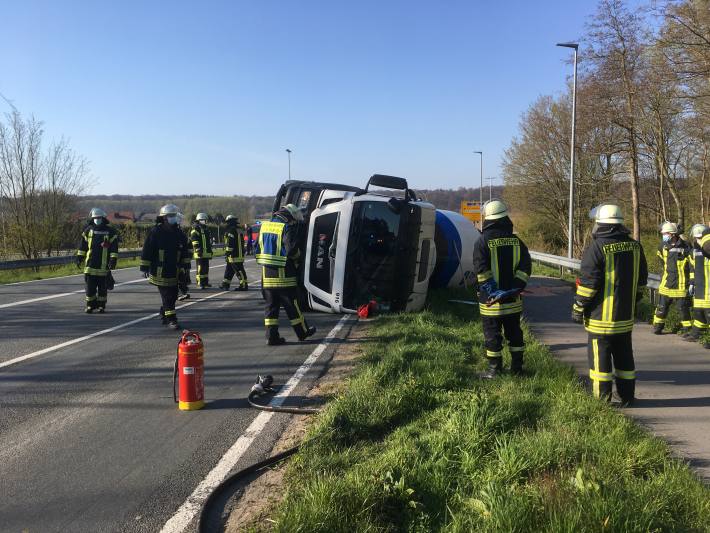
pixel 204 97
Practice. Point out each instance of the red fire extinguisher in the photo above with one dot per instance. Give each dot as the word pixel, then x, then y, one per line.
pixel 190 367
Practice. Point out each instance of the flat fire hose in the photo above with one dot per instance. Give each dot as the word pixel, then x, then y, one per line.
pixel 262 386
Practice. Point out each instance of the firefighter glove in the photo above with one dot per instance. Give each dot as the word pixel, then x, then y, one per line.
pixel 77 261
pixel 146 274
pixel 691 290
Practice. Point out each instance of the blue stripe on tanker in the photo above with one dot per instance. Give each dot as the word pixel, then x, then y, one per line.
pixel 446 237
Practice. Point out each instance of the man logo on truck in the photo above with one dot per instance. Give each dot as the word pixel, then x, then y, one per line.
pixel 320 254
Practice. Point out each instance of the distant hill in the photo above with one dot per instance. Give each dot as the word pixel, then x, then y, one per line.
pixel 246 207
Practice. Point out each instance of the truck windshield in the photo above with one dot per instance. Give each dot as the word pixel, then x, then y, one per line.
pixel 371 265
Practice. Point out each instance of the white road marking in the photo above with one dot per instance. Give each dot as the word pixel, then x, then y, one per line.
pixel 188 510
pixel 61 295
pixel 103 332
pixel 75 275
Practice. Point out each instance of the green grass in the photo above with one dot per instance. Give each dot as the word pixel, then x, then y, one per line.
pixel 28 274
pixel 418 443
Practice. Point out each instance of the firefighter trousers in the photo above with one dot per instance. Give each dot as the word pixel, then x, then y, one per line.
pixel 203 269
pixel 493 329
pixel 288 298
pixel 168 297
pixel 664 304
pixel 701 321
pixel 611 357
pixel 235 268
pixel 96 291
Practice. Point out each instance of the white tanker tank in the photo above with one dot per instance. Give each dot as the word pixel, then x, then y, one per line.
pixel 454 237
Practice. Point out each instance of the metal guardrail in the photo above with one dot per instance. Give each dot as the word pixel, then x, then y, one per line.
pixel 653 283
pixel 67 259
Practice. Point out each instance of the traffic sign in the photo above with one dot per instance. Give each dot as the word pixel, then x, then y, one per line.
pixel 471 211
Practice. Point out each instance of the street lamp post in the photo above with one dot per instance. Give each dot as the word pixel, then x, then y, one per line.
pixel 288 151
pixel 490 187
pixel 480 189
pixel 570 228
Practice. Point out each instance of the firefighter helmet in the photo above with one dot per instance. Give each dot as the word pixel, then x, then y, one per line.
pixel 169 209
pixel 232 217
pixel 494 209
pixel 697 230
pixel 607 214
pixel 202 216
pixel 295 212
pixel 97 212
pixel 669 227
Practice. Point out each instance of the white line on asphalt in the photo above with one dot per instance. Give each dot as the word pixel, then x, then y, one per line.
pixel 61 295
pixel 188 510
pixel 102 332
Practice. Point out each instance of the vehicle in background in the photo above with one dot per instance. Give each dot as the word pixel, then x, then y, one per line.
pixel 378 243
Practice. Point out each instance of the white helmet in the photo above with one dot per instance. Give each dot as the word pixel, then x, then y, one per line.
pixel 669 227
pixel 202 216
pixel 607 214
pixel 97 212
pixel 168 209
pixel 494 209
pixel 296 213
pixel 232 217
pixel 697 230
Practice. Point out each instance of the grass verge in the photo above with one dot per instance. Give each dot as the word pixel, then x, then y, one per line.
pixel 418 443
pixel 28 274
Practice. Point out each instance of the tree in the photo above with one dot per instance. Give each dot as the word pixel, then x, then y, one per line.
pixel 616 58
pixel 38 188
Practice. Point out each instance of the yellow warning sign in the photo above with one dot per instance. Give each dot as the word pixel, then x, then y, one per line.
pixel 471 211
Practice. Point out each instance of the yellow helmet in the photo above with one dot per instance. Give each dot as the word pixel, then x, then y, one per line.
pixel 494 209
pixel 607 214
pixel 669 227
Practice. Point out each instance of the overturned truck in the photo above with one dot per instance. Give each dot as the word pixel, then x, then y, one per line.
pixel 379 243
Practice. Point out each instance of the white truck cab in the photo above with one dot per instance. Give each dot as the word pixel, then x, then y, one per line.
pixel 376 243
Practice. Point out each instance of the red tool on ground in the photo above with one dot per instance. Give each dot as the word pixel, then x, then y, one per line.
pixel 190 367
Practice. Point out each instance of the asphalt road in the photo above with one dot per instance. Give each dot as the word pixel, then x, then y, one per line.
pixel 90 439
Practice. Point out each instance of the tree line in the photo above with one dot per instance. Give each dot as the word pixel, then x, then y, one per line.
pixel 643 127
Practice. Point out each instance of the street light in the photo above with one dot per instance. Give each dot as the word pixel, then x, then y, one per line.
pixel 480 190
pixel 288 151
pixel 570 228
pixel 490 188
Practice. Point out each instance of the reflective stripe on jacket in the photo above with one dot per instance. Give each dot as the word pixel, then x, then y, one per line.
pixel 99 249
pixel 271 250
pixel 612 278
pixel 676 269
pixel 201 242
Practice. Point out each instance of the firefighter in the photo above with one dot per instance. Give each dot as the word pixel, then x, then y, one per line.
pixel 699 288
pixel 674 254
pixel 611 282
pixel 183 286
pixel 202 249
pixel 277 252
pixel 234 254
pixel 502 264
pixel 165 260
pixel 249 239
pixel 98 254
